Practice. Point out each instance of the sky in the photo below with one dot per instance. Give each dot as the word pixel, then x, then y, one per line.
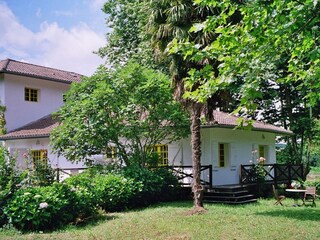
pixel 60 34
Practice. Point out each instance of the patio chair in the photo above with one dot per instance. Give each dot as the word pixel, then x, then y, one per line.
pixel 279 198
pixel 310 196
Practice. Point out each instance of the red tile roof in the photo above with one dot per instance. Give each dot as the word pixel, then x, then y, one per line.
pixel 37 129
pixel 31 70
pixel 226 120
pixel 43 126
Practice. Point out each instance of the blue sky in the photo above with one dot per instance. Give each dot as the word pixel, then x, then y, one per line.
pixel 55 33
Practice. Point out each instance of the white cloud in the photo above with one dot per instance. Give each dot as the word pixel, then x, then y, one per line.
pixel 52 46
pixel 97 4
pixel 63 13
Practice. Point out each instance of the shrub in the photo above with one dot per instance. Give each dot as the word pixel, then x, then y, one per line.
pixel 158 184
pixel 171 188
pixel 9 181
pixel 86 190
pixel 39 173
pixel 111 192
pixel 115 191
pixel 315 183
pixel 44 208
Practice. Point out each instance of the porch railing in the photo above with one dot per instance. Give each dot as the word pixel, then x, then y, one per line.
pixel 185 174
pixel 62 173
pixel 273 173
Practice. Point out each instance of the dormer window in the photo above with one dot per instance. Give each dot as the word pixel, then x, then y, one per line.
pixel 31 95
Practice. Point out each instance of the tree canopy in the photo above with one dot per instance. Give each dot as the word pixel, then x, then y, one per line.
pixel 272 53
pixel 130 108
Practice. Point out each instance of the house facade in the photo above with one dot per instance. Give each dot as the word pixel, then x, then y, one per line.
pixel 225 148
pixel 30 92
pixel 29 123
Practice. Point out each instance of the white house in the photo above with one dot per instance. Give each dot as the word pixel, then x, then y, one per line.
pixel 226 148
pixel 29 92
pixel 32 92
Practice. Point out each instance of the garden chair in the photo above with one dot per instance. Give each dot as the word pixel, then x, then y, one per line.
pixel 310 195
pixel 278 198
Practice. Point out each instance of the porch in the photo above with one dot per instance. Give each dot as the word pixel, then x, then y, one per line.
pixel 272 174
pixel 250 182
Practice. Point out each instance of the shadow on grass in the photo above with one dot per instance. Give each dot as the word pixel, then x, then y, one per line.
pixel 95 220
pixel 300 213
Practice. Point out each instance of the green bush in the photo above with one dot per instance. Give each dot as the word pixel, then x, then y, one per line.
pixel 315 183
pixel 171 188
pixel 10 179
pixel 158 184
pixel 44 208
pixel 111 192
pixel 86 190
pixel 115 191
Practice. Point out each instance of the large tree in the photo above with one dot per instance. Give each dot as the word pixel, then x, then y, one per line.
pixel 273 51
pixel 130 108
pixel 179 21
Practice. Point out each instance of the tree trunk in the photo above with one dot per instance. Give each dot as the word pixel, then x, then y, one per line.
pixel 197 188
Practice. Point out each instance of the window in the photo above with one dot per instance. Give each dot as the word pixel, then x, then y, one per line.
pixel 39 157
pixel 111 152
pixel 31 95
pixel 261 153
pixel 162 151
pixel 223 154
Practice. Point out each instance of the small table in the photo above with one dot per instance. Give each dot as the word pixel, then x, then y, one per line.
pixel 297 193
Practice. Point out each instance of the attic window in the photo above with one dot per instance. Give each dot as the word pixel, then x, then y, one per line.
pixel 31 95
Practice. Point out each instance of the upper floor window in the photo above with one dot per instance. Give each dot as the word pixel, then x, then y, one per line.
pixel 162 151
pixel 31 95
pixel 223 154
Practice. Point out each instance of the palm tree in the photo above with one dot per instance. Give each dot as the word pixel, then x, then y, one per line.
pixel 172 19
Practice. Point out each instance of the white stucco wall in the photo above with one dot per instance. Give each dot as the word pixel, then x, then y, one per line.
pixel 21 146
pixel 240 143
pixel 240 147
pixel 2 97
pixel 20 112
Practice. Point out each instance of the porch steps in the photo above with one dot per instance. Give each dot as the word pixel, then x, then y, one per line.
pixel 229 194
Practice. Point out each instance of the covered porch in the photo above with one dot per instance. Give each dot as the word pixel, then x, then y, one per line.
pixel 273 174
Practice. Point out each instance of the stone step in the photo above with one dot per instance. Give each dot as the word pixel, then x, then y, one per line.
pixel 229 194
pixel 232 202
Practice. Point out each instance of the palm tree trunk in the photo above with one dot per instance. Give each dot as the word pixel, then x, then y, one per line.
pixel 197 188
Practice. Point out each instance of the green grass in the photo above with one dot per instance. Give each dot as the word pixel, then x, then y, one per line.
pixel 261 220
pixel 315 170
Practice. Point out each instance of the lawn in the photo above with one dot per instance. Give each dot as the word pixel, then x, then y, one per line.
pixel 261 220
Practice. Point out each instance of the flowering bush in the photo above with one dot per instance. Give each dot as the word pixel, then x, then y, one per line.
pixel 43 208
pixel 115 191
pixel 39 173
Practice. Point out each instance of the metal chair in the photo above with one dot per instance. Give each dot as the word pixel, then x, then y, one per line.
pixel 279 198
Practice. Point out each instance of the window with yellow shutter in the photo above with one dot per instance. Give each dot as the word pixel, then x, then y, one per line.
pixel 39 156
pixel 162 151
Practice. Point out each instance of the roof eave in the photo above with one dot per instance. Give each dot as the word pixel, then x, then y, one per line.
pixel 37 76
pixel 284 132
pixel 24 137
